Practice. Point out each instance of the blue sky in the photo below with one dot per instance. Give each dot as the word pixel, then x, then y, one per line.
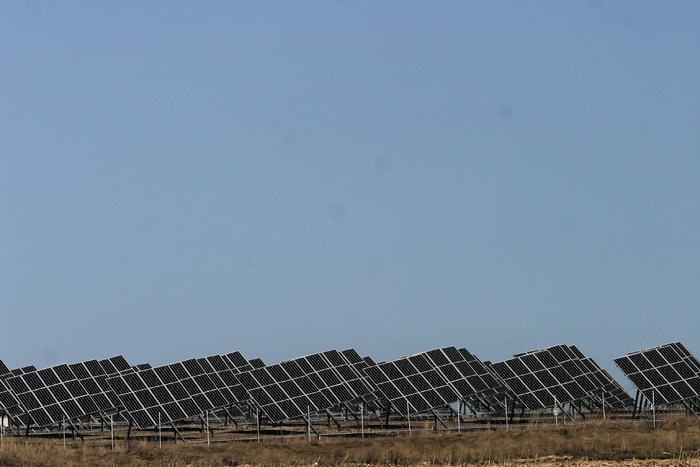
pixel 181 179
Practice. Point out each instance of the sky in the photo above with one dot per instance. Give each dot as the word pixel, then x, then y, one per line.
pixel 181 179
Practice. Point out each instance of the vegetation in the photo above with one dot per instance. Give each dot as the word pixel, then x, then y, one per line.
pixel 675 441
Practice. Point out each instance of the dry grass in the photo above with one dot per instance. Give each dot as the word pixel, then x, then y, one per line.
pixel 674 442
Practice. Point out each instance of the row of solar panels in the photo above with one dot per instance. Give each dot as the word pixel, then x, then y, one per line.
pixel 233 385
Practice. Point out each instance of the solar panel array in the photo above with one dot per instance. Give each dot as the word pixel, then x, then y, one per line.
pixel 432 379
pixel 560 373
pixel 412 384
pixel 178 391
pixel 313 383
pixel 66 392
pixel 667 374
pixel 230 384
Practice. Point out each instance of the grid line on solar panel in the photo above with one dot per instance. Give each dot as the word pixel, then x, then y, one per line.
pixel 665 374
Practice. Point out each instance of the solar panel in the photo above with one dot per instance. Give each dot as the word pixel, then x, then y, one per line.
pixel 257 363
pixel 420 382
pixel 313 383
pixel 149 400
pixel 351 356
pixel 114 365
pixel 482 381
pixel 369 400
pixel 269 394
pixel 236 361
pixel 64 392
pixel 344 380
pixel 560 373
pixel 172 401
pixel 607 390
pixel 92 375
pixel 25 369
pixel 10 405
pixel 182 390
pixel 668 374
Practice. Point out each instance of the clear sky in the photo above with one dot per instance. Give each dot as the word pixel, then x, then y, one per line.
pixel 180 179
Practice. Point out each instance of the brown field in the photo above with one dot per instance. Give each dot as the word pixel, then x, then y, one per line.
pixel 673 442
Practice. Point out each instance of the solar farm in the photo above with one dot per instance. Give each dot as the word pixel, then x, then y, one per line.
pixel 338 393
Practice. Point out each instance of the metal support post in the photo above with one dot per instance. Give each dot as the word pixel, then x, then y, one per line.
pixel 332 418
pixel 128 432
pixel 636 403
pixel 408 417
pixel 362 420
pixel 257 422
